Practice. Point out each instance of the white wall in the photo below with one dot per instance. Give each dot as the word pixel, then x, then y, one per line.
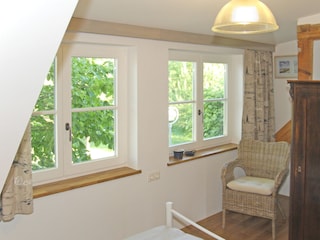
pixel 282 97
pixel 31 32
pixel 116 209
pixel 283 105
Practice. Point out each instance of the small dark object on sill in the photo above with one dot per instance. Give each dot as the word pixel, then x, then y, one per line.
pixel 178 154
pixel 190 153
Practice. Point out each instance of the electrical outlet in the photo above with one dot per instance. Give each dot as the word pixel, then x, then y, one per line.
pixel 153 176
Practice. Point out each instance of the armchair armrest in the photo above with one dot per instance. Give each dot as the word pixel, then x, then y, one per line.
pixel 227 173
pixel 279 179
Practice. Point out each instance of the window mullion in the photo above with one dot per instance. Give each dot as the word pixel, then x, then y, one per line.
pixel 65 152
pixel 199 103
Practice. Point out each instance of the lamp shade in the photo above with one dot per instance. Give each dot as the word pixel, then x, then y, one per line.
pixel 245 17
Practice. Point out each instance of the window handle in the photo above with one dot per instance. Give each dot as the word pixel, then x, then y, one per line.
pixel 200 113
pixel 68 128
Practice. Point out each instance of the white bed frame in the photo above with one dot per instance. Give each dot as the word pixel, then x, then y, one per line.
pixel 169 232
pixel 171 214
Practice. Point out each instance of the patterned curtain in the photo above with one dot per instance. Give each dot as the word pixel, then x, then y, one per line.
pixel 16 196
pixel 258 121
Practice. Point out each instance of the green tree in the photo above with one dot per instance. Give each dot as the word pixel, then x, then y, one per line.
pixel 92 86
pixel 213 94
pixel 181 90
pixel 181 76
pixel 42 125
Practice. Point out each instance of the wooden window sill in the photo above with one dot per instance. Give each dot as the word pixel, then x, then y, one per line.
pixel 87 180
pixel 82 181
pixel 203 153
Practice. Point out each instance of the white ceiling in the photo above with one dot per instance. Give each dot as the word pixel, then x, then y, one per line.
pixel 196 16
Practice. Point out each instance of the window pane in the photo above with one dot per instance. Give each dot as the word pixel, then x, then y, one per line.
pixel 92 82
pixel 213 119
pixel 93 85
pixel 93 135
pixel 181 76
pixel 42 125
pixel 43 142
pixel 180 124
pixel 46 98
pixel 214 80
pixel 213 89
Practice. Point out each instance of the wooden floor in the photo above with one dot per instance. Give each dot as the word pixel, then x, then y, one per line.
pixel 244 227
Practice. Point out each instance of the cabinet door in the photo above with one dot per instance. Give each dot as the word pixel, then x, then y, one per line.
pixel 312 170
pixel 297 165
pixel 305 165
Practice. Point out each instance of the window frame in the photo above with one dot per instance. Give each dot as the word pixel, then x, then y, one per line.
pixel 64 168
pixel 199 58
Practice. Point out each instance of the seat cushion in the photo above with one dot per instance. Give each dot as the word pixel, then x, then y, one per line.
pixel 257 185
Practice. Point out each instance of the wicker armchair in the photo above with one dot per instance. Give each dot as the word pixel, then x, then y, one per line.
pixel 265 165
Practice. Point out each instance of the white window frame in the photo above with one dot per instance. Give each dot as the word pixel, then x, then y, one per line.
pixel 200 58
pixel 64 167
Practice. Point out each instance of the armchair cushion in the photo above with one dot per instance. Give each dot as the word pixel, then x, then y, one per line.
pixel 257 185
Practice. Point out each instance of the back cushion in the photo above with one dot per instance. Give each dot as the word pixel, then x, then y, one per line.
pixel 263 159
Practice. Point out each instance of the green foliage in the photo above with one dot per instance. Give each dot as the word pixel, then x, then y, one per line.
pixel 181 75
pixel 42 134
pixel 92 86
pixel 214 104
pixel 43 154
pixel 213 119
pixel 181 89
pixel 92 82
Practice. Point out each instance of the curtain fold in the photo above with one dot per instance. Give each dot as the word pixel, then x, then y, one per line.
pixel 258 120
pixel 17 195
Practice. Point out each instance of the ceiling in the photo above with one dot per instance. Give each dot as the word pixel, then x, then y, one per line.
pixel 195 16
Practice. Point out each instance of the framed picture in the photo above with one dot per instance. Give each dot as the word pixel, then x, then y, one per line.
pixel 286 66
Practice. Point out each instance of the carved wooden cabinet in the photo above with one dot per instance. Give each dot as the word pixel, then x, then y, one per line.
pixel 304 216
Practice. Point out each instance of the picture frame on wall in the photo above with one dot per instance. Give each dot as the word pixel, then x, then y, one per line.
pixel 286 66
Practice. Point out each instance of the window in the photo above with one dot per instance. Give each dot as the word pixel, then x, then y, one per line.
pixel 198 99
pixel 77 123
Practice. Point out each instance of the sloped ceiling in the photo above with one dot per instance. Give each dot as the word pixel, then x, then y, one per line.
pixel 31 35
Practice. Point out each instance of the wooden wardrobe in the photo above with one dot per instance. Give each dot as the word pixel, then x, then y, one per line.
pixel 304 219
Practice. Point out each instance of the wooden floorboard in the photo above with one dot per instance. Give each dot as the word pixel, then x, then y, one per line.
pixel 244 227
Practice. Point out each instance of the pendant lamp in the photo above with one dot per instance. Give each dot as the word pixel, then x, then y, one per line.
pixel 244 17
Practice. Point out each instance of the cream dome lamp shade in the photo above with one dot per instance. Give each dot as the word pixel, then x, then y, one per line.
pixel 244 17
